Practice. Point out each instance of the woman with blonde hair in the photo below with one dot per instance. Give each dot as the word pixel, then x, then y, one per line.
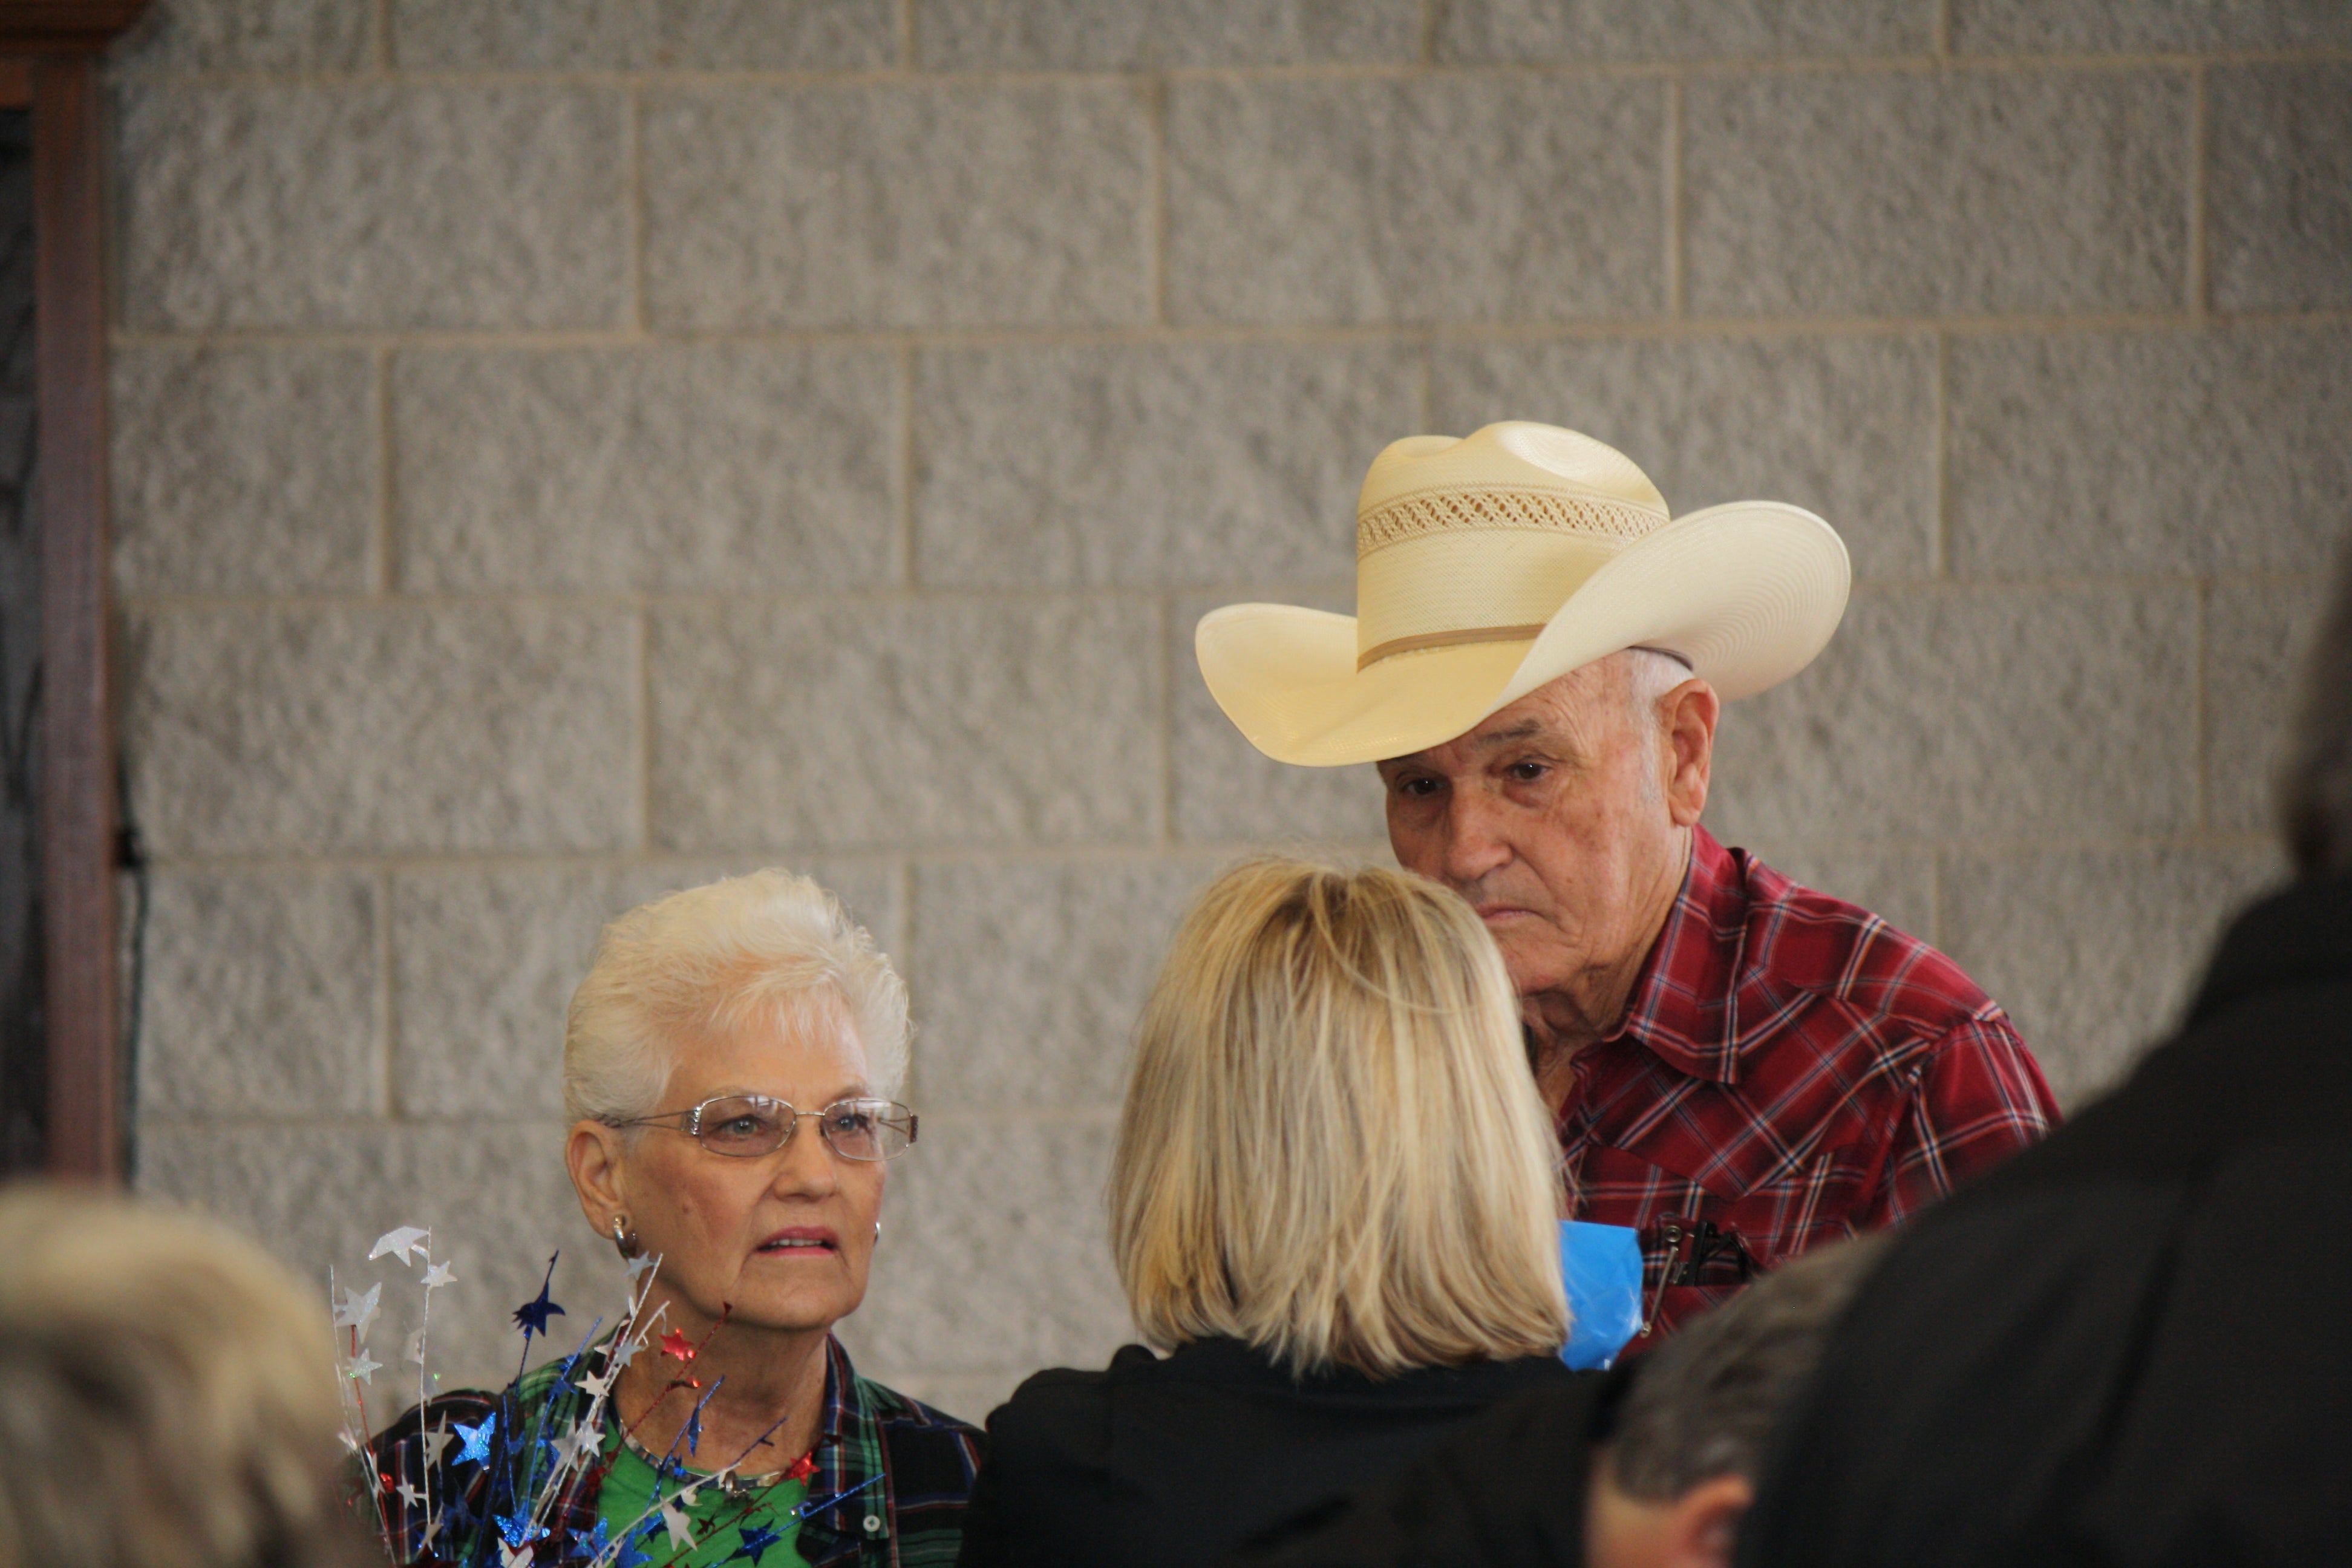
pixel 1333 1209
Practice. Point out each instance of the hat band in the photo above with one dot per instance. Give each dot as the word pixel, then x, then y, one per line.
pixel 1447 639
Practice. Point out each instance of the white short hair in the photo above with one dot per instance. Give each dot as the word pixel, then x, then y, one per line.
pixel 769 946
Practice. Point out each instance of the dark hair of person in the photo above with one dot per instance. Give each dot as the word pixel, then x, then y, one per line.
pixel 1704 1403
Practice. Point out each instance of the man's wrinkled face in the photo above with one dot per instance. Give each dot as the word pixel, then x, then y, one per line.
pixel 1551 819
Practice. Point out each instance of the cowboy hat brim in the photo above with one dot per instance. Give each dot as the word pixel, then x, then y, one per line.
pixel 1747 593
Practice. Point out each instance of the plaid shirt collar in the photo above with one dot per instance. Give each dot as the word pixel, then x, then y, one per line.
pixel 1686 1005
pixel 849 1461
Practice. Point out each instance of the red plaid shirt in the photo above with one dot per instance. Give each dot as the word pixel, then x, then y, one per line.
pixel 1790 1070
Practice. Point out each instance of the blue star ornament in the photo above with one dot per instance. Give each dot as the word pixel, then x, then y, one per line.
pixel 593 1544
pixel 632 1552
pixel 476 1440
pixel 519 1529
pixel 757 1539
pixel 532 1315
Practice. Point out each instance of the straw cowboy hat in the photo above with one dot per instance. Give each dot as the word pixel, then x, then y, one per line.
pixel 1488 565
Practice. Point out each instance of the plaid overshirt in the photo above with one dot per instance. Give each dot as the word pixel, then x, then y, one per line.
pixel 1790 1070
pixel 911 1517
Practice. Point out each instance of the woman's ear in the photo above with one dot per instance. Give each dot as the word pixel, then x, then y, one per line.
pixel 595 1157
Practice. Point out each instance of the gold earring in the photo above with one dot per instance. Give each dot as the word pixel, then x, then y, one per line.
pixel 623 1239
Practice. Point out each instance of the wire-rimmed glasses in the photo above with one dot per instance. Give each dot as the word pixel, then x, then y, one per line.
pixel 746 1126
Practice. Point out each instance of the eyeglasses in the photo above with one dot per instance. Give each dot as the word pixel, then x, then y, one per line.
pixel 746 1126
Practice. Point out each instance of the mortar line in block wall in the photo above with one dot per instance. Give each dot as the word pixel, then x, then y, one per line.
pixel 1139 597
pixel 384 564
pixel 1425 45
pixel 678 79
pixel 902 541
pixel 1939 537
pixel 1596 329
pixel 632 202
pixel 1677 302
pixel 387 1016
pixel 1155 249
pixel 2198 281
pixel 2201 716
pixel 643 644
pixel 1164 732
pixel 865 857
pixel 1934 935
pixel 1206 853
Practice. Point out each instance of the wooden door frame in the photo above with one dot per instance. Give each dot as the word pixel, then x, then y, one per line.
pixel 48 63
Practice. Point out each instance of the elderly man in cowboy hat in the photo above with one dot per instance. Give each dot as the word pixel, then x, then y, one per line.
pixel 1741 1068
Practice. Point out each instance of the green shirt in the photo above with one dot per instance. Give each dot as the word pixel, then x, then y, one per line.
pixel 715 1518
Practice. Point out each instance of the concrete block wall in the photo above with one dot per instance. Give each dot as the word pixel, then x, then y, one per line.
pixel 566 450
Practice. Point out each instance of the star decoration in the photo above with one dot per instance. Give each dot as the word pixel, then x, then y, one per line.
pixel 514 1557
pixel 440 1274
pixel 416 1351
pixel 625 1351
pixel 408 1240
pixel 757 1539
pixel 681 1531
pixel 519 1529
pixel 598 1542
pixel 599 1383
pixel 802 1468
pixel 694 1430
pixel 364 1369
pixel 477 1448
pixel 532 1315
pixel 350 1442
pixel 409 1495
pixel 675 1344
pixel 632 1552
pixel 357 1310
pixel 637 1266
pixel 577 1444
pixel 435 1441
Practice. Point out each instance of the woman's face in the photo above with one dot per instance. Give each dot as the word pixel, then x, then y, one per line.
pixel 785 1237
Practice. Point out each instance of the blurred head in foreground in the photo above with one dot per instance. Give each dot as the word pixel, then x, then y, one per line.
pixel 167 1395
pixel 1684 1453
pixel 1330 1148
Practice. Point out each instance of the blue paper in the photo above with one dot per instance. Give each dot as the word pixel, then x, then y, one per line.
pixel 1602 1266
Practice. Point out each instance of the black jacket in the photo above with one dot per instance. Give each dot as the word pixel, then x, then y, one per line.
pixel 1175 1461
pixel 1507 1490
pixel 2132 1345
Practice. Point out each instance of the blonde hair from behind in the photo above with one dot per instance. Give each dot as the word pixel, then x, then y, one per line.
pixel 769 946
pixel 1332 1146
pixel 167 1395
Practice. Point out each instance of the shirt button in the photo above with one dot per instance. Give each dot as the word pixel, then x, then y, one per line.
pixel 873 1525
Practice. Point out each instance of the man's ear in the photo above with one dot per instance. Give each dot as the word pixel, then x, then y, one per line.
pixel 594 1155
pixel 1688 716
pixel 1704 1522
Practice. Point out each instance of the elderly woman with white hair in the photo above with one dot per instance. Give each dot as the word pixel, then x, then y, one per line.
pixel 711 1025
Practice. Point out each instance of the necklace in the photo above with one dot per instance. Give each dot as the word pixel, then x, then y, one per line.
pixel 727 1481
